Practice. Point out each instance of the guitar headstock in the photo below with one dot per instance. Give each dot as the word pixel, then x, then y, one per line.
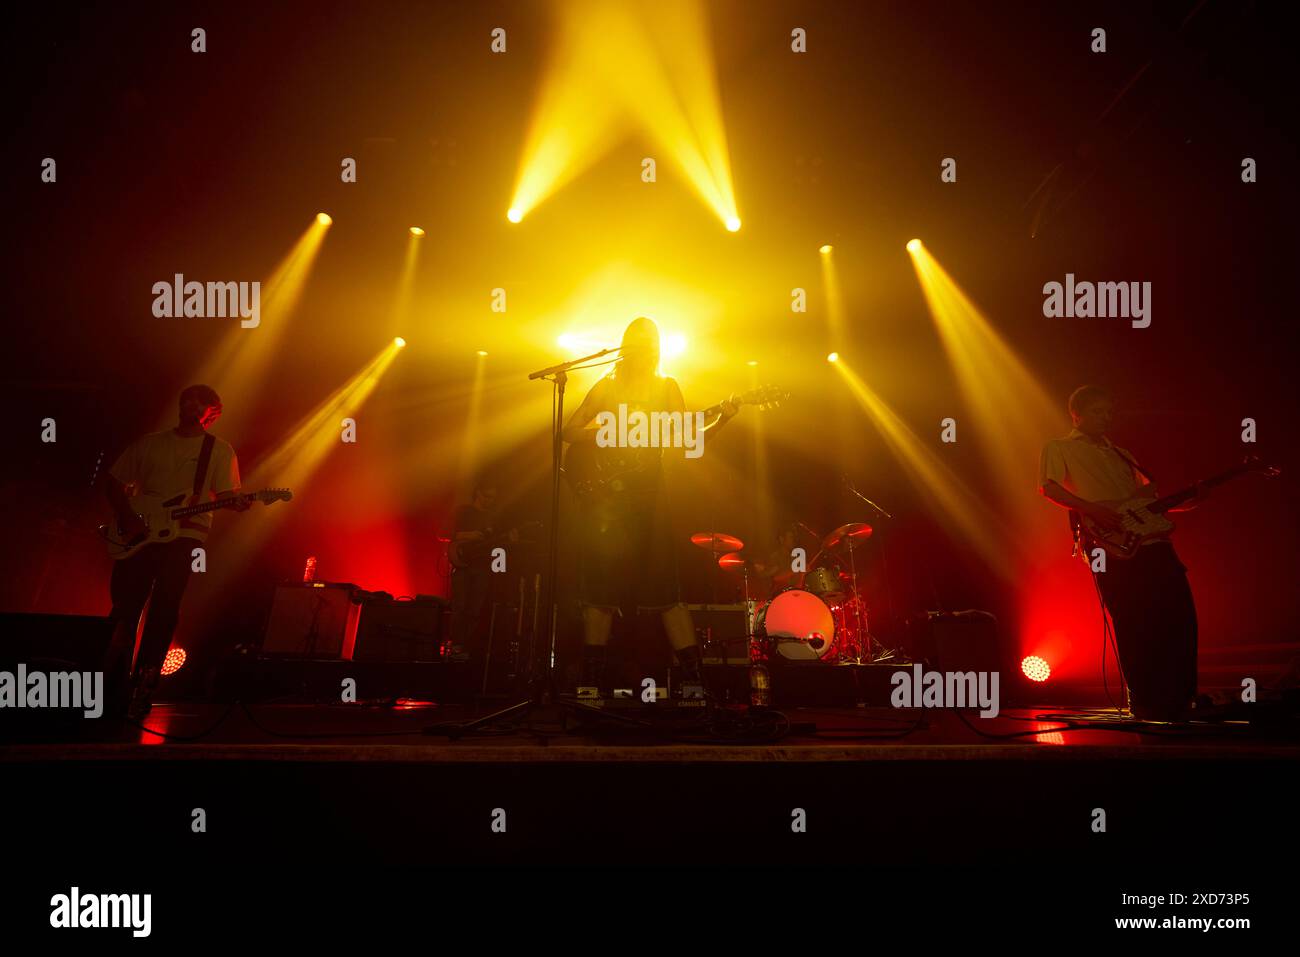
pixel 1255 464
pixel 269 495
pixel 765 396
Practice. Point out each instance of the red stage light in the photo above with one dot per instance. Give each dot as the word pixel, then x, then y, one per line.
pixel 1035 668
pixel 174 660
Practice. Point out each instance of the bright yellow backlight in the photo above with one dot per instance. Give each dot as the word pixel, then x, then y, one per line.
pixel 323 219
pixel 399 342
pixel 673 346
pixel 482 352
pixel 514 215
pixel 833 357
pixel 417 231
pixel 825 249
pixel 914 246
pixel 733 224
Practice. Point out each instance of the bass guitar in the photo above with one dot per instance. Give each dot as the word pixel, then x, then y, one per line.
pixel 1144 515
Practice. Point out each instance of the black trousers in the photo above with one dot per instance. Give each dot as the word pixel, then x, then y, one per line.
pixel 158 574
pixel 1151 607
pixel 470 589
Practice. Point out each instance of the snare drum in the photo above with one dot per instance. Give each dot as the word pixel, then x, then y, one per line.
pixel 798 624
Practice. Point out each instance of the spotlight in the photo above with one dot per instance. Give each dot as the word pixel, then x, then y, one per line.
pixel 173 662
pixel 482 352
pixel 514 215
pixel 399 342
pixel 1035 668
pixel 417 231
pixel 323 219
pixel 833 357
pixel 673 345
pixel 753 362
pixel 733 224
pixel 914 246
pixel 825 249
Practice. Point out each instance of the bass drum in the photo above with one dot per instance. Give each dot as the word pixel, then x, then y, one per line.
pixel 798 625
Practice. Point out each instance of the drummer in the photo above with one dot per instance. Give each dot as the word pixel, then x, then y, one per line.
pixel 775 569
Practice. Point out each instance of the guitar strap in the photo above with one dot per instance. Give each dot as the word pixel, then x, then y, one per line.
pixel 1133 465
pixel 205 456
pixel 1077 533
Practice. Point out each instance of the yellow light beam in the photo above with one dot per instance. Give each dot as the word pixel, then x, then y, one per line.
pixel 237 367
pixel 834 299
pixel 1011 410
pixel 614 68
pixel 961 509
pixel 470 439
pixel 405 284
pixel 292 464
pixel 320 432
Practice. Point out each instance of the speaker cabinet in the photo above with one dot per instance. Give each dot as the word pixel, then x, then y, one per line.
pixel 393 630
pixel 312 620
pixel 956 641
pixel 54 642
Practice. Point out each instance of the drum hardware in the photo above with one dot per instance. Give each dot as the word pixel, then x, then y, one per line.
pixel 717 543
pixel 853 611
pixel 821 615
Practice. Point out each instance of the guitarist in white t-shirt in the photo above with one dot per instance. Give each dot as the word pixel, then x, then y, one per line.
pixel 186 460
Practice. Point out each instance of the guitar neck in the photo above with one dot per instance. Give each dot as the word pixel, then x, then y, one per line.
pixel 199 509
pixel 1178 498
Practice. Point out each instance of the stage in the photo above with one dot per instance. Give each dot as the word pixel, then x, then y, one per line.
pixel 387 783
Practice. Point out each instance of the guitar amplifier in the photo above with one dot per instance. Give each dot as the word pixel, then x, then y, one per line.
pixel 723 632
pixel 312 620
pixel 410 630
pixel 956 641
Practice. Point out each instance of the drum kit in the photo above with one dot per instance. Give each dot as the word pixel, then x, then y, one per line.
pixel 817 614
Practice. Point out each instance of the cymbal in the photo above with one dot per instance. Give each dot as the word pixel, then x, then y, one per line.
pixel 732 562
pixel 855 530
pixel 717 542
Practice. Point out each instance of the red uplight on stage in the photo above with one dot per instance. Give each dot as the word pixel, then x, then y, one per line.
pixel 174 661
pixel 1035 668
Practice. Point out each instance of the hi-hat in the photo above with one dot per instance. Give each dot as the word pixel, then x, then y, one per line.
pixel 854 530
pixel 717 542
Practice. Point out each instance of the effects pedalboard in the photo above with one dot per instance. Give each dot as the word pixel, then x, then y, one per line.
pixel 636 700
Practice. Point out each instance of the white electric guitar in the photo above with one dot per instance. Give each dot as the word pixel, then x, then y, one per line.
pixel 163 517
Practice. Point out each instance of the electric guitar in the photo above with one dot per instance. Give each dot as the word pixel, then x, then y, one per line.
pixel 463 554
pixel 591 470
pixel 1144 516
pixel 162 518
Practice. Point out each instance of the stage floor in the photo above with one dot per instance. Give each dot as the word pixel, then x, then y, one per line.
pixel 193 731
pixel 314 784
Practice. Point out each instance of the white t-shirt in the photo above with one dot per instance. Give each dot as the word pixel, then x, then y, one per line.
pixel 163 463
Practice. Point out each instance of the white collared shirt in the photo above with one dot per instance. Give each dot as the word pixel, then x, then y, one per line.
pixel 1093 472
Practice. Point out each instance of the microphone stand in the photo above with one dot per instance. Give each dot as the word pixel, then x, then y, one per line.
pixel 543 691
pixel 885 562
